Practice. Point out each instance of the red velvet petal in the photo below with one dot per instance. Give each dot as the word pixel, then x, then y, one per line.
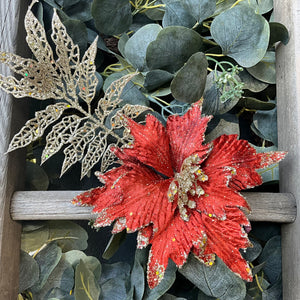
pixel 187 135
pixel 237 154
pixel 218 197
pixel 225 238
pixel 175 242
pixel 137 194
pixel 151 145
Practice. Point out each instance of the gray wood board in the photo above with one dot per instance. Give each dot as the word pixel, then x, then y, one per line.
pixel 288 101
pixel 46 205
pixel 10 165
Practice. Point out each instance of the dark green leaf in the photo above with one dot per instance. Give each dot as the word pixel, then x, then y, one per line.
pixel 36 177
pixel 172 48
pixel 278 33
pixel 61 278
pixel 114 243
pixel 271 254
pixel 217 280
pixel 254 291
pixel 117 270
pixel 112 16
pixel 29 271
pixel 86 286
pixel 251 83
pixel 138 273
pixel 79 10
pixel 258 268
pixel 202 296
pixel 265 70
pixel 252 253
pixel 273 292
pixel 176 15
pixel 165 284
pixel 170 297
pixel 157 78
pixel 136 47
pixel 114 288
pixel 252 103
pixel 265 122
pixel 189 83
pixel 228 124
pixel 68 235
pixel 242 34
pixel 155 14
pixel 47 260
pixel 200 9
pixel 212 104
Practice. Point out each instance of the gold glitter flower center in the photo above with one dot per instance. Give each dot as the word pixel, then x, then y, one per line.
pixel 186 183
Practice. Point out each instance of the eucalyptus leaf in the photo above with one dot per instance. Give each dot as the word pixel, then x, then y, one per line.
pixel 189 82
pixel 61 278
pixel 36 179
pixel 170 297
pixel 228 124
pixel 265 70
pixel 35 239
pixel 119 270
pixel 254 291
pixel 86 286
pixel 138 273
pixel 68 235
pixel 253 252
pixel 260 6
pixel 114 288
pixel 251 83
pixel 172 48
pixel 258 268
pixel 212 104
pixel 200 9
pixel 32 225
pixel 271 255
pixel 80 10
pixel 223 6
pixel 265 122
pixel 47 259
pixel 176 14
pixel 155 14
pixel 253 103
pixel 278 33
pixel 202 296
pixel 136 47
pixel 113 245
pixel 242 34
pixel 216 281
pixel 112 16
pixel 157 78
pixel 165 284
pixel 274 291
pixel 29 271
pixel 122 42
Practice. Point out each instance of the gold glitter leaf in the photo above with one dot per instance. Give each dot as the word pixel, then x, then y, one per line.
pixel 60 135
pixel 64 76
pixel 34 128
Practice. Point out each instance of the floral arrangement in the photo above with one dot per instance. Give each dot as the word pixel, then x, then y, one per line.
pixel 169 170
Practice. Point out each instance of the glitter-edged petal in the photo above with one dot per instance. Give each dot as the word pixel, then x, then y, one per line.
pixel 225 238
pixel 175 242
pixel 228 152
pixel 134 193
pixel 151 145
pixel 187 135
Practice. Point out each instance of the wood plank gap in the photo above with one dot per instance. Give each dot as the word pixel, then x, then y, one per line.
pixel 56 205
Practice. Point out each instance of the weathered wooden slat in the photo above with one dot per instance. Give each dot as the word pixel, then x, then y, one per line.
pixel 32 205
pixel 10 165
pixel 288 102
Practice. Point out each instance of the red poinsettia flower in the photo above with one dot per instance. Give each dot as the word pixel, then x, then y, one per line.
pixel 181 194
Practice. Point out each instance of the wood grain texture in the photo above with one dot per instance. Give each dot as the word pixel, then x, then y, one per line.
pixel 10 165
pixel 288 101
pixel 36 205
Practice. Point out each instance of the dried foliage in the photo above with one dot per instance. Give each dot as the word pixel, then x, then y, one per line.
pixel 68 79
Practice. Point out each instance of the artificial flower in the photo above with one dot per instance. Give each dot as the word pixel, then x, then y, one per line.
pixel 180 193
